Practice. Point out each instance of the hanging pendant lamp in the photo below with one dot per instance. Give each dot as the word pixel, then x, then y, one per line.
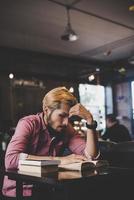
pixel 69 34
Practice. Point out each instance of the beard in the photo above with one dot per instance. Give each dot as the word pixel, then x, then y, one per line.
pixel 51 126
pixel 58 134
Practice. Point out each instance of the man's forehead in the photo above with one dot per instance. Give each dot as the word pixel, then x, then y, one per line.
pixel 64 106
pixel 64 109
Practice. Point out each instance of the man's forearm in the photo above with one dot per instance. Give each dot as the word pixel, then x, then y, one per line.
pixel 91 150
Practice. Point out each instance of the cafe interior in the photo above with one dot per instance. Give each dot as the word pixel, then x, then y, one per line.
pixel 86 46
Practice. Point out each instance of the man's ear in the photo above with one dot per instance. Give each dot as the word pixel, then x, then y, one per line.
pixel 47 110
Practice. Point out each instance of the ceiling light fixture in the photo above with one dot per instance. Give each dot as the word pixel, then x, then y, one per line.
pixel 131 60
pixel 131 8
pixel 107 53
pixel 91 77
pixel 122 70
pixel 69 34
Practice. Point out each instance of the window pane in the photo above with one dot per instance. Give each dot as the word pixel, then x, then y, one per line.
pixel 93 98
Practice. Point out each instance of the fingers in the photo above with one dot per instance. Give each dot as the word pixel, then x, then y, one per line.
pixel 72 158
pixel 80 157
pixel 80 111
pixel 77 157
pixel 76 110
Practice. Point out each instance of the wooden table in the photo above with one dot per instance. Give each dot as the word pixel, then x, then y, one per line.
pixel 113 181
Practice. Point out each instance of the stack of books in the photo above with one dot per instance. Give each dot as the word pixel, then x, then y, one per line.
pixel 38 166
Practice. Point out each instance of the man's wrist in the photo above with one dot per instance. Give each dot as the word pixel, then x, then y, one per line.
pixel 92 126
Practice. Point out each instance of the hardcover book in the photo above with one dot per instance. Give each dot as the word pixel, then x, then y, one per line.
pixel 39 162
pixel 38 169
pixel 38 166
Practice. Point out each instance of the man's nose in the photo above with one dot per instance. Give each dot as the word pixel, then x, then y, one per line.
pixel 65 122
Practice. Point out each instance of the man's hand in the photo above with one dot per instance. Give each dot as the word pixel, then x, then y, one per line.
pixel 81 111
pixel 72 158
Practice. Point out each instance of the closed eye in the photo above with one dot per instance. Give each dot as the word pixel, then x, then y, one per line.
pixel 63 115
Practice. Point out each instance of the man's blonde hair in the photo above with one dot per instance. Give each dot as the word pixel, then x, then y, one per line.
pixel 55 97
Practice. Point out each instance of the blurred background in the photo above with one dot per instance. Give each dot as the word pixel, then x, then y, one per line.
pixel 87 46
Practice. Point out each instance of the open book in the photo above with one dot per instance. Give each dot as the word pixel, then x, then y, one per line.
pixel 38 166
pixel 85 165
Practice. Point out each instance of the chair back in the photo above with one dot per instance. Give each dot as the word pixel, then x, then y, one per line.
pixel 122 154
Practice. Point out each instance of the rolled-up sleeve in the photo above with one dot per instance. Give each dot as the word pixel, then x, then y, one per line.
pixel 77 145
pixel 18 143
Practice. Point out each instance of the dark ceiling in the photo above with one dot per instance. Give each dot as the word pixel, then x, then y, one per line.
pixel 30 37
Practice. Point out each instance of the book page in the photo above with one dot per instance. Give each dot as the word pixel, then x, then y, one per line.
pixel 85 165
pixel 78 166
